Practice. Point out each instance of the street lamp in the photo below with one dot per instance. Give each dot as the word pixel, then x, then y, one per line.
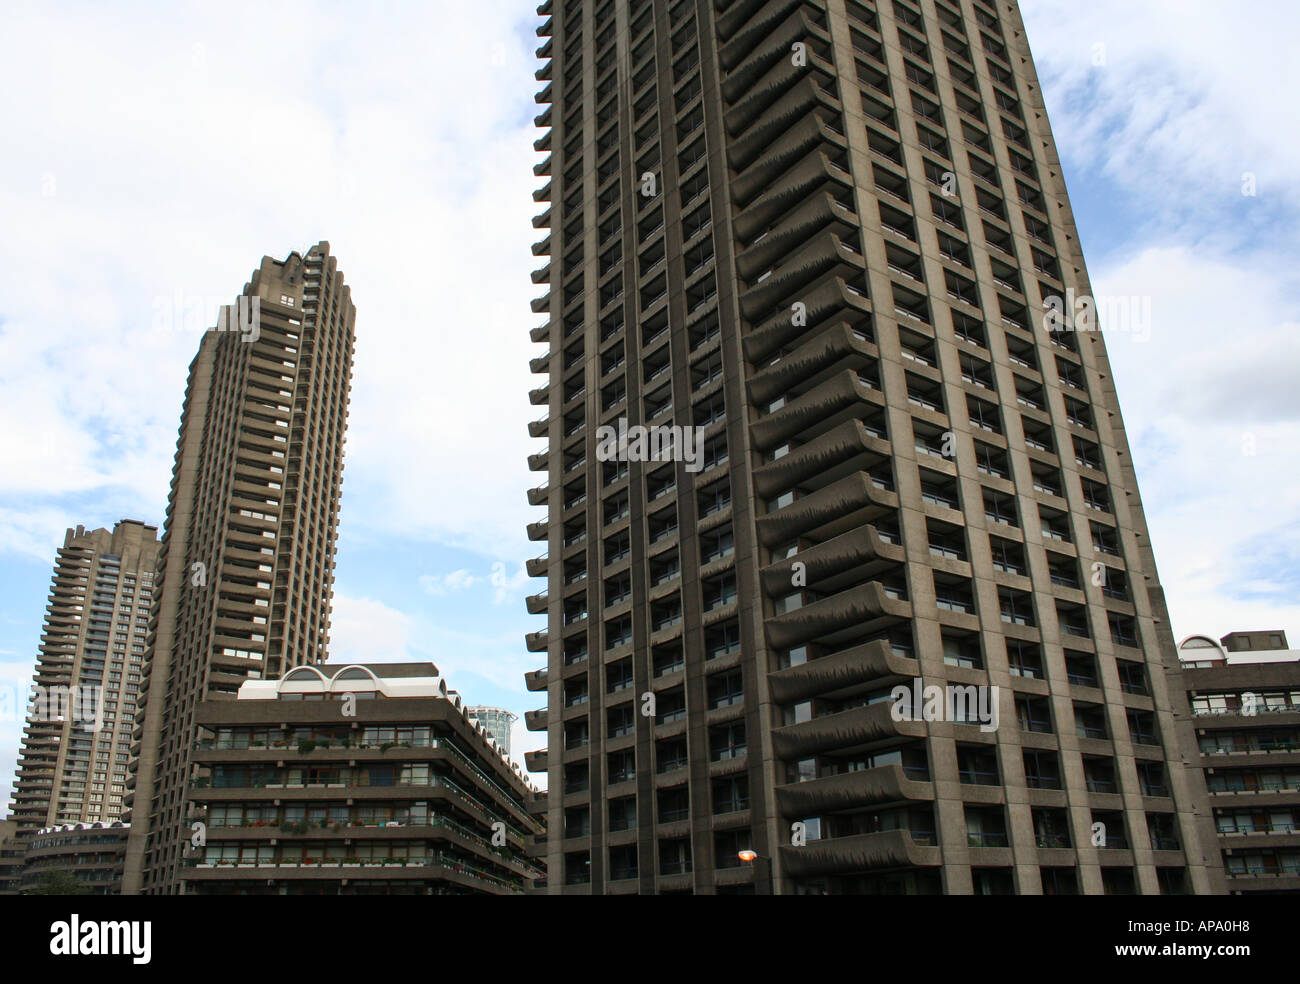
pixel 749 857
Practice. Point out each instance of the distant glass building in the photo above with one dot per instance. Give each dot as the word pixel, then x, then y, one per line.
pixel 497 722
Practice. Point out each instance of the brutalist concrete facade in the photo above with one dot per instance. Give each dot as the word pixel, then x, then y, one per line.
pixel 355 779
pixel 1245 701
pixel 823 233
pixel 91 853
pixel 252 520
pixel 74 764
pixel 12 851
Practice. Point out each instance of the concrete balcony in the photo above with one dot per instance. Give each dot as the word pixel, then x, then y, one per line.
pixel 539 427
pixel 876 662
pixel 536 604
pixel 536 761
pixel 770 72
pixel 818 211
pixel 537 496
pixel 540 396
pixel 780 202
pixel 536 642
pixel 864 608
pixel 743 33
pixel 540 461
pixel 798 103
pixel 828 301
pixel 850 502
pixel 536 680
pixel 842 397
pixel 841 452
pixel 840 562
pixel 864 852
pixel 813 362
pixel 538 530
pixel 541 364
pixel 823 254
pixel 537 805
pixel 843 730
pixel 536 720
pixel 536 566
pixel 852 790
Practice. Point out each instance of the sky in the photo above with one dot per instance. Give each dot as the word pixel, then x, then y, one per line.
pixel 154 155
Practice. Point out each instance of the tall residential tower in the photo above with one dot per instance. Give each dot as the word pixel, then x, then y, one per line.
pixel 75 756
pixel 823 232
pixel 248 547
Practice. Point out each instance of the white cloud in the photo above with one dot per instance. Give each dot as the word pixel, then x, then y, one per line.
pixel 507 588
pixel 363 630
pixel 459 580
pixel 1191 95
pixel 213 145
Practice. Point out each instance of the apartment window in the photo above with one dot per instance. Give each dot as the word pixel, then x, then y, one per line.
pixel 668 658
pixel 1099 774
pixel 618 675
pixel 1000 508
pixel 1051 827
pixel 1008 556
pixel 670 706
pixel 670 755
pixel 725 689
pixel 731 794
pixel 1016 607
pixel 1142 727
pixel 1163 832
pixel 1042 769
pixel 727 741
pixel 1034 714
pixel 1090 721
pixel 1024 659
pixel 675 856
pixel 622 813
pixel 674 804
pixel 985 826
pixel 1081 669
pixel 977 765
pixel 621 766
